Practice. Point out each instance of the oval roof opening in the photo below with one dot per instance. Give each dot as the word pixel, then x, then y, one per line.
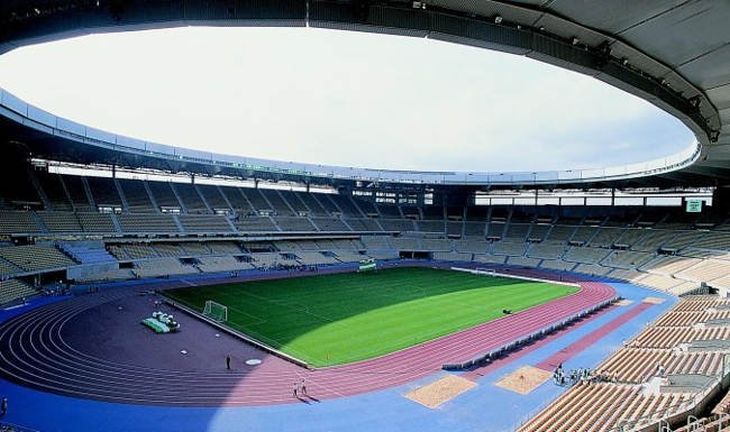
pixel 341 98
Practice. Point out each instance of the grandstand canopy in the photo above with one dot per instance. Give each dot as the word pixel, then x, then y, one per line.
pixel 641 47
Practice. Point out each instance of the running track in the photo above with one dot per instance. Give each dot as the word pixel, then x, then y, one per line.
pixel 551 363
pixel 34 353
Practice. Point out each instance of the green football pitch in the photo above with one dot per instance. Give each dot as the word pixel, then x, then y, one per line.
pixel 327 320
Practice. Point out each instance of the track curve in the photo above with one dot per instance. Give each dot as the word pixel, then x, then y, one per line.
pixel 34 353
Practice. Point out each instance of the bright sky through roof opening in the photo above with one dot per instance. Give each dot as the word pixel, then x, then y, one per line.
pixel 342 98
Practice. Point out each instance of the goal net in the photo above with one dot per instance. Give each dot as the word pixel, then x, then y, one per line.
pixel 215 311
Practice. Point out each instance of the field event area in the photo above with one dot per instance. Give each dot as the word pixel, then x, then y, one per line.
pixel 328 320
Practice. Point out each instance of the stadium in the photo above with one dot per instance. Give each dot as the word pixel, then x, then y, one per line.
pixel 264 295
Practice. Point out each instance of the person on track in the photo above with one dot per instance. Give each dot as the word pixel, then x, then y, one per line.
pixel 228 362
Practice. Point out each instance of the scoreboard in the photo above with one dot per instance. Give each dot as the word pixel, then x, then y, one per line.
pixel 693 206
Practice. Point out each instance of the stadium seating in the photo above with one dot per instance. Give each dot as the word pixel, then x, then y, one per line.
pixel 133 251
pixel 637 365
pixel 561 233
pixel 205 223
pixel 281 205
pixel 169 250
pixel 471 228
pixel 363 224
pixel 625 259
pixel 238 201
pixel 104 192
pixel 489 259
pixel 247 224
pixel 163 195
pixel 147 223
pixel 223 248
pixel 213 197
pixel 12 290
pixel 585 255
pixel 135 193
pixel 630 247
pixel 706 271
pixel 294 224
pixel 330 224
pixel 430 244
pixel 267 259
pixel 54 189
pixel 315 258
pixel 664 350
pixel 162 267
pixel 257 199
pixel 96 223
pixel 523 261
pixel 511 247
pixel 668 265
pixel 296 204
pixel 349 256
pixel 552 251
pixel 213 264
pixel 583 234
pixel 6 268
pixel 517 231
pixel 591 269
pixel 60 222
pixel 471 245
pixel 16 222
pixel 35 258
pixel 610 404
pixel 433 226
pixel 197 249
pixel 311 202
pixel 557 265
pixel 452 256
pixel 190 198
pixel 406 244
pixel 539 231
pixel 77 189
pixel 399 225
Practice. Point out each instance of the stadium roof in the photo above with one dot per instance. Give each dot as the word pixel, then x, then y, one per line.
pixel 673 53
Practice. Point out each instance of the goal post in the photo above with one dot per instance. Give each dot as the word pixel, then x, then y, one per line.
pixel 215 311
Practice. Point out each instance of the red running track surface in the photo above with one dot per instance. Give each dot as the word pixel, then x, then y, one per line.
pixel 551 363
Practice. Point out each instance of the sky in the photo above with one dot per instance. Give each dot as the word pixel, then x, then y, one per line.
pixel 342 98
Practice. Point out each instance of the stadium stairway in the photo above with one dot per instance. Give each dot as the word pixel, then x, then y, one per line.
pixel 122 196
pixel 177 196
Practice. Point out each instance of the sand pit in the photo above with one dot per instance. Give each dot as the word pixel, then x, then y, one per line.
pixel 524 380
pixel 440 391
pixel 653 300
pixel 624 302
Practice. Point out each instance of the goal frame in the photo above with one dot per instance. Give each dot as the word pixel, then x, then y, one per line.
pixel 209 307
